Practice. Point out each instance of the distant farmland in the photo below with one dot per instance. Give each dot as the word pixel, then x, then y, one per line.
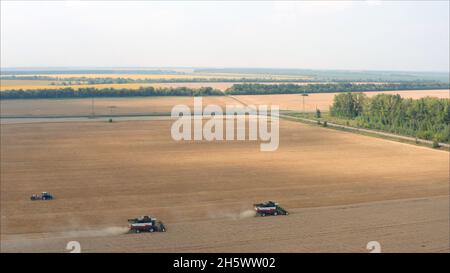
pixel 323 101
pixel 31 85
pixel 130 105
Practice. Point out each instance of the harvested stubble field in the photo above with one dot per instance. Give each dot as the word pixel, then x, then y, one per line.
pixel 343 190
pixel 323 101
pixel 68 107
pixel 73 107
pixel 21 84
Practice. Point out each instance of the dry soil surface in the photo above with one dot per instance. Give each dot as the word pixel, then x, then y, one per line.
pixel 343 190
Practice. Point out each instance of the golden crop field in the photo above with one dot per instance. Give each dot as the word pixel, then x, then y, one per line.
pixel 44 84
pixel 25 85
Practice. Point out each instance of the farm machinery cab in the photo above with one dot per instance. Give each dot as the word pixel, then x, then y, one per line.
pixel 43 196
pixel 269 208
pixel 145 224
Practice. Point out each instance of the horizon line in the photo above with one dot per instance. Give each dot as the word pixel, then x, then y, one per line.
pixel 212 67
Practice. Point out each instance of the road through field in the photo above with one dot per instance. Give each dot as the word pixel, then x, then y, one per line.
pixel 372 132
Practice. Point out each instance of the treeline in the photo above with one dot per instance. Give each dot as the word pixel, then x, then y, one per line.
pixel 262 89
pixel 120 80
pixel 108 92
pixel 71 81
pixel 247 85
pixel 30 78
pixel 87 71
pixel 426 118
pixel 338 75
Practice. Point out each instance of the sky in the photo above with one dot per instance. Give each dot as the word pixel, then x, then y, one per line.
pixel 359 35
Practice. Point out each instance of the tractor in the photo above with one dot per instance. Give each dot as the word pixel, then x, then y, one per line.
pixel 43 196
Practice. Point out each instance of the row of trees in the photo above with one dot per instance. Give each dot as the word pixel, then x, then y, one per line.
pixel 261 89
pixel 32 72
pixel 250 84
pixel 120 80
pixel 70 81
pixel 426 118
pixel 108 92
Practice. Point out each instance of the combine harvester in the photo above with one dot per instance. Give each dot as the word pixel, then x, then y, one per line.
pixel 145 224
pixel 43 196
pixel 269 208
